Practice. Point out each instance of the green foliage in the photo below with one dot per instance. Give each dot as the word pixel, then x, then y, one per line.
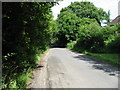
pixel 67 28
pixel 112 38
pixel 93 38
pixel 114 44
pixel 71 44
pixel 87 10
pixel 26 34
pixel 54 31
pixel 90 38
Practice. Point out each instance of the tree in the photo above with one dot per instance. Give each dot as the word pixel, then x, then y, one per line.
pixel 87 10
pixel 69 27
pixel 67 22
pixel 74 16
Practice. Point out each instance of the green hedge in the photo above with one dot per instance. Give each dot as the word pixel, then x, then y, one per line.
pixel 96 39
pixel 26 34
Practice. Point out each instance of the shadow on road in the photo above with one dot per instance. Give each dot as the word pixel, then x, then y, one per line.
pixel 100 65
pixel 37 66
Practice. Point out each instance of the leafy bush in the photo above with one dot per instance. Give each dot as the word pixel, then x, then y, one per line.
pixel 112 38
pixel 114 45
pixel 90 38
pixel 93 38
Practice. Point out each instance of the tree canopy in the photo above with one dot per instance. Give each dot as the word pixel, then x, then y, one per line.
pixel 87 10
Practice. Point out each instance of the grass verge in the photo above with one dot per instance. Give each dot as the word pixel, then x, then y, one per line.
pixel 113 59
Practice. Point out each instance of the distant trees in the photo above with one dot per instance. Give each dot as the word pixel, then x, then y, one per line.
pixel 79 27
pixel 76 15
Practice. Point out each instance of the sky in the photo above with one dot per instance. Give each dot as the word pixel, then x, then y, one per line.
pixel 106 5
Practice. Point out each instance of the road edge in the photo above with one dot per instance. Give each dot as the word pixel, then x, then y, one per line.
pixel 40 73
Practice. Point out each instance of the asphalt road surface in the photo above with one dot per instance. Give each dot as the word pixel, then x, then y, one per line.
pixel 66 69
